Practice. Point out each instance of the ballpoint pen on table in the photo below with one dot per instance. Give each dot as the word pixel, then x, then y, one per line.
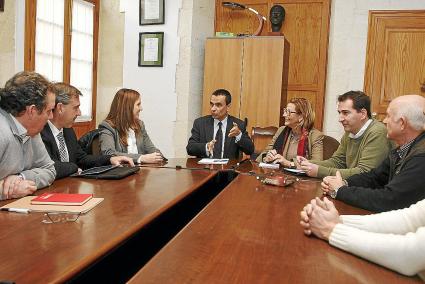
pixel 16 210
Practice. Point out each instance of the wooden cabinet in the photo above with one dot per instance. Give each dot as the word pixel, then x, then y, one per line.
pixel 253 70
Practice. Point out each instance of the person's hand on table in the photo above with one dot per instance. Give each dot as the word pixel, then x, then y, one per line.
pixel 332 183
pixel 15 186
pixel 319 218
pixel 119 160
pixel 151 158
pixel 309 168
pixel 210 147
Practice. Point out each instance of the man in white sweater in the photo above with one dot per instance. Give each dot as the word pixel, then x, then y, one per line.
pixel 394 239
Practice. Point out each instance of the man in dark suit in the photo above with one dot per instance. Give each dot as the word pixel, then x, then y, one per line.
pixel 219 135
pixel 60 139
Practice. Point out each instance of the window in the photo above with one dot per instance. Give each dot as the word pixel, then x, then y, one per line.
pixel 61 44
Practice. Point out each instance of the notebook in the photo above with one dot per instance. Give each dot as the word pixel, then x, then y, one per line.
pixel 66 199
pixel 25 203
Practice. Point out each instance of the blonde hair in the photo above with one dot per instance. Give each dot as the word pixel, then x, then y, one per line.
pixel 304 108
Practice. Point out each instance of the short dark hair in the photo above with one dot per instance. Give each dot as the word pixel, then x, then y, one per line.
pixel 64 92
pixel 22 90
pixel 360 101
pixel 223 92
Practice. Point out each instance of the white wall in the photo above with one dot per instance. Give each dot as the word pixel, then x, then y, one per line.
pixel 347 50
pixel 7 42
pixel 156 84
pixel 110 59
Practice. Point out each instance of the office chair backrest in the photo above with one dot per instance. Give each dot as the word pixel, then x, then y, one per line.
pixel 90 142
pixel 261 136
pixel 330 145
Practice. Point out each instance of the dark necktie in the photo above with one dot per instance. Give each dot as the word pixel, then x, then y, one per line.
pixel 62 150
pixel 218 142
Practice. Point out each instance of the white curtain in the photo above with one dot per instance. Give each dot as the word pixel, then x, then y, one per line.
pixel 82 54
pixel 49 39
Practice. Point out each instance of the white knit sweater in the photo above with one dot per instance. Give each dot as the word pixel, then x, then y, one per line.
pixel 394 239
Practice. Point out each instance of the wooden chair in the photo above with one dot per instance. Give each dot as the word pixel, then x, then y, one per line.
pixel 330 145
pixel 261 136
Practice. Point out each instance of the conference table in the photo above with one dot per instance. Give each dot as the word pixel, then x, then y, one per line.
pixel 178 223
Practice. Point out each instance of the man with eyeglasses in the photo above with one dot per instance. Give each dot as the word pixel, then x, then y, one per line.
pixel 25 106
pixel 219 135
pixel 363 147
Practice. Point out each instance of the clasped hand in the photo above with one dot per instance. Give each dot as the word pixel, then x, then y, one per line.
pixel 332 183
pixel 118 160
pixel 152 158
pixel 273 157
pixel 14 186
pixel 309 168
pixel 319 218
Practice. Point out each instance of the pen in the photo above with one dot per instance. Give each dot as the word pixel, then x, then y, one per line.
pixel 17 210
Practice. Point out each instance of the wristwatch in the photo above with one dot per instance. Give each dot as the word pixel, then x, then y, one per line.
pixel 333 193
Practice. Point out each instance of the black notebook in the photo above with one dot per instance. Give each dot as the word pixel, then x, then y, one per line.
pixel 107 172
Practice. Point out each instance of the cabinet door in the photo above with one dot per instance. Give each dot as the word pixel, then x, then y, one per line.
pixel 395 61
pixel 262 81
pixel 223 70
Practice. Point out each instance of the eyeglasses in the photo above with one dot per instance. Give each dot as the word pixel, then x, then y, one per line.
pixel 60 217
pixel 288 111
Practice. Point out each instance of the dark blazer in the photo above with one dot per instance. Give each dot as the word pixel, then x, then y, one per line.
pixel 77 156
pixel 203 132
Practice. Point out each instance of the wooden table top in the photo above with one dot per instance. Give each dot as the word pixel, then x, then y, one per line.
pixel 250 233
pixel 33 252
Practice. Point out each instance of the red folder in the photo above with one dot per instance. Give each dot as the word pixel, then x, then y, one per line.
pixel 61 199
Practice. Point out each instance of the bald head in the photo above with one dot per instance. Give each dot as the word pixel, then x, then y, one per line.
pixel 410 107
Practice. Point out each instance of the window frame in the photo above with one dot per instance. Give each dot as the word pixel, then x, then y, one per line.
pixel 29 51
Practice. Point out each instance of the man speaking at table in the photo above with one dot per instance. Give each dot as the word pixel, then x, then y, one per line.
pixel 60 139
pixel 219 135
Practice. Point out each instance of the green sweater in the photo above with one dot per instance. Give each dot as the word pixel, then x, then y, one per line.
pixel 360 155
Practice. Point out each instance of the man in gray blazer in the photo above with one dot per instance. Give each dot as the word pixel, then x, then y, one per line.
pixel 219 135
pixel 25 106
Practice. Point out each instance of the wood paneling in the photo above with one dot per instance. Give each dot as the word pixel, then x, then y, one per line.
pixel 395 60
pixel 253 70
pixel 223 70
pixel 263 96
pixel 306 28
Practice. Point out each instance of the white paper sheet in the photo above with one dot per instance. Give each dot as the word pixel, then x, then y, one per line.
pixel 213 161
pixel 151 9
pixel 150 51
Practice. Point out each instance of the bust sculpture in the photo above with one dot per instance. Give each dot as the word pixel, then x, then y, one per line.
pixel 277 16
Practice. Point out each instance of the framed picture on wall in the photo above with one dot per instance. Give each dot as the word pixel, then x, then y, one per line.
pixel 1 5
pixel 151 12
pixel 151 49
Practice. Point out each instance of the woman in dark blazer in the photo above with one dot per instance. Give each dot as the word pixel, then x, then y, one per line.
pixel 296 138
pixel 123 133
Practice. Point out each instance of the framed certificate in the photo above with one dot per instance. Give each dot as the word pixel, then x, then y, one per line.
pixel 151 12
pixel 151 46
